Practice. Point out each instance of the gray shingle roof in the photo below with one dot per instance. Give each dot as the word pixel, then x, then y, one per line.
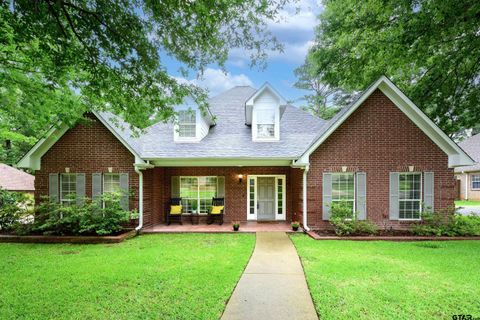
pixel 13 179
pixel 472 147
pixel 230 137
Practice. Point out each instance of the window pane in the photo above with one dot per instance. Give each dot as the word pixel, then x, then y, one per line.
pixel 280 196
pixel 475 181
pixel 187 124
pixel 197 191
pixel 410 187
pixel 68 185
pixel 252 195
pixel 111 182
pixel 265 130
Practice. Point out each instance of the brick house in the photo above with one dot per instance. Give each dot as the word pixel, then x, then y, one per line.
pixel 269 160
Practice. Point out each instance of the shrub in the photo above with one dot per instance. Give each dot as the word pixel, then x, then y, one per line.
pixel 102 217
pixel 345 224
pixel 447 223
pixel 13 208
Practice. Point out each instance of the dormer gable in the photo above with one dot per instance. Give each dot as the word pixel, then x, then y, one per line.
pixel 191 124
pixel 263 111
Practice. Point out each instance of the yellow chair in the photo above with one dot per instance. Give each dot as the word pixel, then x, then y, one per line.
pixel 174 213
pixel 216 212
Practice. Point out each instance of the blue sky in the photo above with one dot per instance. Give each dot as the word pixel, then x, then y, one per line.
pixel 295 31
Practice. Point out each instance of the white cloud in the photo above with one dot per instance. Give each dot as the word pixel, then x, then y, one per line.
pixel 294 29
pixel 216 81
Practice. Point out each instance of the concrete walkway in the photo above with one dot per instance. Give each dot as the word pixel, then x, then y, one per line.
pixel 273 285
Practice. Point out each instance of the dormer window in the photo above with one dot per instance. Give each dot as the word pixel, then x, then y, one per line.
pixel 265 124
pixel 263 112
pixel 187 124
pixel 191 124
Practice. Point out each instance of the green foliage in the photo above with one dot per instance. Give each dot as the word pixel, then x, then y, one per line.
pixel 101 217
pixel 430 49
pixel 295 224
pixel 345 223
pixel 61 58
pixel 13 207
pixel 323 101
pixel 447 223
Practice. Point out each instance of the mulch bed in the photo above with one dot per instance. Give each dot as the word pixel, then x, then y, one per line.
pixel 395 235
pixel 127 234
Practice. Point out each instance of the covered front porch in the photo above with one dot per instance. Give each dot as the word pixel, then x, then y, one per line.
pixel 249 195
pixel 249 226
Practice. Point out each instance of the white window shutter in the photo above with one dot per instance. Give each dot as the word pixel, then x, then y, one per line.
pixel 327 196
pixel 394 196
pixel 361 209
pixel 53 187
pixel 428 193
pixel 125 191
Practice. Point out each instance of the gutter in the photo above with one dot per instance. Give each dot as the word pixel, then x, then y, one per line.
pixel 138 168
pixel 305 219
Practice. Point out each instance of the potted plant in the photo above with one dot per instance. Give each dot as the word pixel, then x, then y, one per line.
pixel 194 213
pixel 236 225
pixel 295 225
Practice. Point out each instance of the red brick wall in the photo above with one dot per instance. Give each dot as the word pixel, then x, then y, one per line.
pixel 378 139
pixel 235 192
pixel 87 148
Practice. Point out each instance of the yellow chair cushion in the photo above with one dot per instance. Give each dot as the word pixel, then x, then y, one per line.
pixel 176 209
pixel 217 209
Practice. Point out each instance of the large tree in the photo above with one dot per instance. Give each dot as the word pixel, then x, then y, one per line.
pixel 61 58
pixel 430 49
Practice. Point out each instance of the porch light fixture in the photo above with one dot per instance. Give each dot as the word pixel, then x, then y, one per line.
pixel 411 168
pixel 240 178
pixel 110 169
pixel 67 170
pixel 344 169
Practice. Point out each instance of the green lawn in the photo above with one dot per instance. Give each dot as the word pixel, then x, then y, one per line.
pixel 392 280
pixel 466 203
pixel 171 276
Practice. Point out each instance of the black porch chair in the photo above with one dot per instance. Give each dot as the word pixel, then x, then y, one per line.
pixel 174 217
pixel 212 217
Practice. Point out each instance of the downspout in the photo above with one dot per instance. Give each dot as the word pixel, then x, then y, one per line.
pixel 466 185
pixel 305 225
pixel 140 199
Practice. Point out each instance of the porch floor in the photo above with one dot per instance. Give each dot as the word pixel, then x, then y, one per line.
pixel 250 226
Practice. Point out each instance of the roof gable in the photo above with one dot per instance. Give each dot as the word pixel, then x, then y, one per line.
pixel 456 156
pixel 32 159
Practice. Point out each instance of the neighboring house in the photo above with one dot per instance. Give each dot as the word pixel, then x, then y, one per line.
pixel 469 176
pixel 269 160
pixel 12 179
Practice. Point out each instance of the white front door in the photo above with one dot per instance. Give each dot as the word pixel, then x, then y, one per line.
pixel 266 197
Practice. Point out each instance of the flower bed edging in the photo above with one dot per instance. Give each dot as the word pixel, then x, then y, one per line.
pixel 68 239
pixel 315 236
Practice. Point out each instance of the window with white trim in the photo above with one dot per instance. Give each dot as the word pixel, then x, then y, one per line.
pixel 187 124
pixel 265 123
pixel 410 195
pixel 476 181
pixel 343 188
pixel 251 191
pixel 197 193
pixel 111 183
pixel 68 188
